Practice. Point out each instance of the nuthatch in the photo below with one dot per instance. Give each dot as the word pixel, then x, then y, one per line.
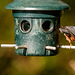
pixel 69 33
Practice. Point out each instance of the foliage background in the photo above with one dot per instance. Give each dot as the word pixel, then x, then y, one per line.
pixel 11 64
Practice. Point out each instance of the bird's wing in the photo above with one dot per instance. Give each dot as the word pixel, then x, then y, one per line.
pixel 63 30
pixel 71 29
pixel 68 30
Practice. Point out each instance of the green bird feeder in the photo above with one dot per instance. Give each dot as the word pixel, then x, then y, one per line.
pixel 37 25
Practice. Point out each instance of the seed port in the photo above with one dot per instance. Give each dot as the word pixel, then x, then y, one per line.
pixel 47 26
pixel 25 26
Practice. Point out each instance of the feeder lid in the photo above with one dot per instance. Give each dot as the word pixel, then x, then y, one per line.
pixel 37 5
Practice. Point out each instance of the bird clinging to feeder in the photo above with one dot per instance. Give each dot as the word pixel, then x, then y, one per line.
pixel 69 33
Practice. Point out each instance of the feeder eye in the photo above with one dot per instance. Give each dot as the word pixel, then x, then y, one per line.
pixel 47 26
pixel 25 26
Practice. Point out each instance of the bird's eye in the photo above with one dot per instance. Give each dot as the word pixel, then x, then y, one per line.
pixel 47 26
pixel 25 26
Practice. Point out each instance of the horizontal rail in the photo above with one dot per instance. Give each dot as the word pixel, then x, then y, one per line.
pixel 66 46
pixel 47 47
pixel 8 45
pixel 50 48
pixel 13 45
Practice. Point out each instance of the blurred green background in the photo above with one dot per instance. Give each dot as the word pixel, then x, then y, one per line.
pixel 12 64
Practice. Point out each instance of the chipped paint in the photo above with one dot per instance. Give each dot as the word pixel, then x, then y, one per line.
pixel 17 32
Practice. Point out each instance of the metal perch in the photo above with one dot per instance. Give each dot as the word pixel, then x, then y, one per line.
pixel 47 47
pixel 66 46
pixel 13 45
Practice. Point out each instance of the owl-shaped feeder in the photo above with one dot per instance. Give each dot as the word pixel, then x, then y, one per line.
pixel 37 25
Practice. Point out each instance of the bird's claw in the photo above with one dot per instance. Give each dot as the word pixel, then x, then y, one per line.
pixel 70 46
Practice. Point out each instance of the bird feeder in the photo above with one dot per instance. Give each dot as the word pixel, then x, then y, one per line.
pixel 37 25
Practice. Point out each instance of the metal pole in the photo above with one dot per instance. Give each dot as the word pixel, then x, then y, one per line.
pixel 47 47
pixel 13 45
pixel 50 48
pixel 8 45
pixel 66 46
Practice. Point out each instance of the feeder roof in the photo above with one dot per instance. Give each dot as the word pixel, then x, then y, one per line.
pixel 37 5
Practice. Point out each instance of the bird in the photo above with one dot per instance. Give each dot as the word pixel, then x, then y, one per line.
pixel 69 33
